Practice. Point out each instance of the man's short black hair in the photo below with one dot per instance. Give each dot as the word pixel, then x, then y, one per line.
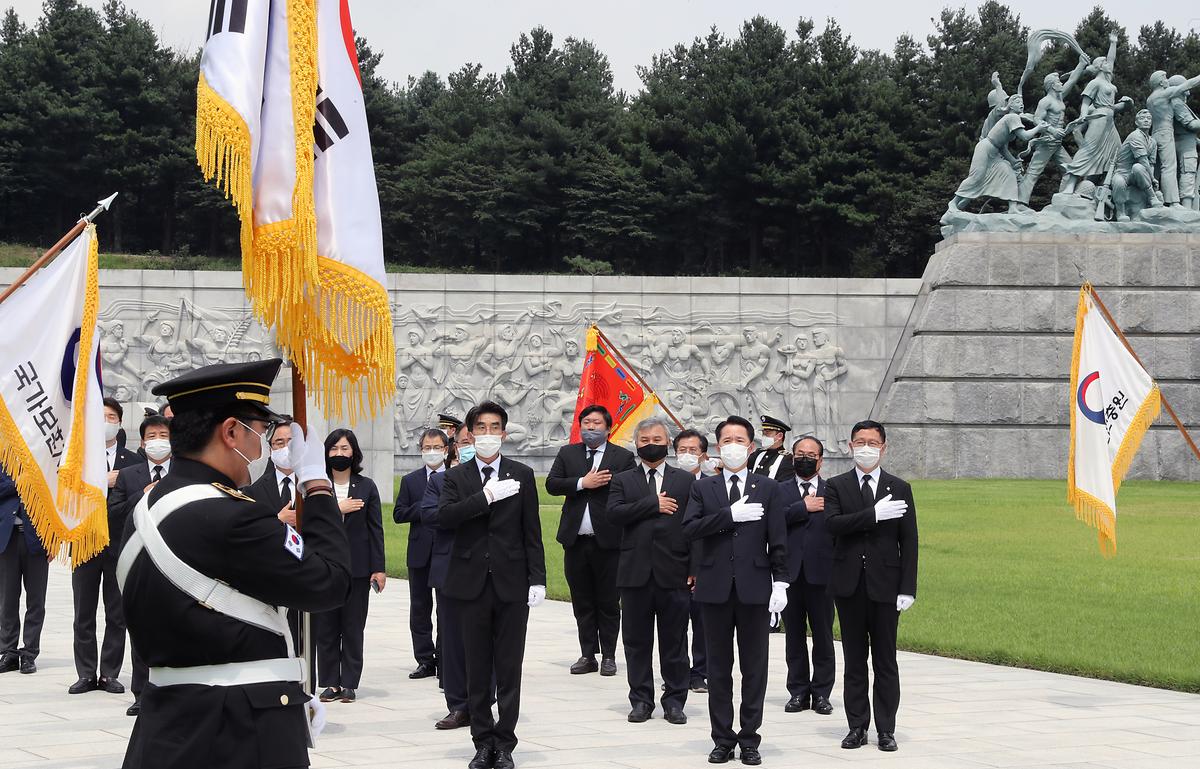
pixel 869 424
pixel 192 430
pixel 154 420
pixel 814 439
pixel 434 432
pixel 487 407
pixel 736 421
pixel 356 455
pixel 690 433
pixel 596 408
pixel 115 405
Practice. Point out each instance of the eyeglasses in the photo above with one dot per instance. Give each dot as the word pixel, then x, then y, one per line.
pixel 803 455
pixel 872 444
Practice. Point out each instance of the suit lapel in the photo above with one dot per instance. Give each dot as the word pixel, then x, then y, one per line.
pixel 474 482
pixel 605 458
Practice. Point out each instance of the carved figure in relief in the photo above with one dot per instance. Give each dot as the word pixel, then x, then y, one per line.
pixel 830 367
pixel 795 383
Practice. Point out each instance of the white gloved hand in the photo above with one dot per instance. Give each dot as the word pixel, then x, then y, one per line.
pixel 887 508
pixel 537 594
pixel 778 597
pixel 744 511
pixel 315 710
pixel 904 602
pixel 307 455
pixel 496 490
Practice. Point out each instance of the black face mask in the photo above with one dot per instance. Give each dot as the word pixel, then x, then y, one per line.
pixel 806 467
pixel 340 463
pixel 653 452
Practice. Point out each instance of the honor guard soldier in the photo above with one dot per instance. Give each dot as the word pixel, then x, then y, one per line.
pixel 207 574
pixel 773 459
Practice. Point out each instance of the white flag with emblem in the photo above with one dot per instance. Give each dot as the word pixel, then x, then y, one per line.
pixel 1113 402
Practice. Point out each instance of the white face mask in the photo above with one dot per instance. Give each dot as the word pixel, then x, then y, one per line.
pixel 158 449
pixel 256 467
pixel 733 456
pixel 433 458
pixel 487 446
pixel 866 457
pixel 710 465
pixel 110 431
pixel 766 442
pixel 282 458
pixel 687 462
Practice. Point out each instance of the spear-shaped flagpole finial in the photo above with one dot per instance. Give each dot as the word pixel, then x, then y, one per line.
pixel 101 207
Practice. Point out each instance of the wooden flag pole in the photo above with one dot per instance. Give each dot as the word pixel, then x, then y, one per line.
pixel 300 417
pixel 633 372
pixel 1163 398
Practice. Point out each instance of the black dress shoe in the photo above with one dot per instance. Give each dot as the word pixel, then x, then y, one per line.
pixel 134 709
pixel 111 685
pixel 675 716
pixel 484 759
pixel 504 760
pixel 720 755
pixel 608 667
pixel 9 662
pixel 796 704
pixel 584 665
pixel 751 757
pixel 455 719
pixel 699 686
pixel 329 695
pixel 821 705
pixel 82 686
pixel 887 742
pixel 28 665
pixel 424 670
pixel 640 713
pixel 346 695
pixel 855 739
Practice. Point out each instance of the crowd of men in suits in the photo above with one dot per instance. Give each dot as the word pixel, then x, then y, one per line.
pixel 723 542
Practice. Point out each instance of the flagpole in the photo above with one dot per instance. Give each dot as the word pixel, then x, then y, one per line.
pixel 633 372
pixel 300 417
pixel 1162 398
pixel 53 251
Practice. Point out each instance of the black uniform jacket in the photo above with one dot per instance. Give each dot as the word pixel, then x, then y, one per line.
pixel 569 466
pixel 885 553
pixel 652 543
pixel 785 471
pixel 502 539
pixel 241 542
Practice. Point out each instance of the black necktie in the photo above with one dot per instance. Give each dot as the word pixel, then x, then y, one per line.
pixel 157 473
pixel 285 491
pixel 487 473
pixel 591 458
pixel 650 479
pixel 868 497
pixel 734 492
pixel 805 487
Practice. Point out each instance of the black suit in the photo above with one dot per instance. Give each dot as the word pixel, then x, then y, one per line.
pixel 451 656
pixel 420 549
pixel 22 564
pixel 652 576
pixel 761 462
pixel 339 632
pixel 737 564
pixel 590 562
pixel 872 564
pixel 496 557
pixel 810 553
pixel 99 574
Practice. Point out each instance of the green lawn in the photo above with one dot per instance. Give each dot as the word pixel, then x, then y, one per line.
pixel 1009 576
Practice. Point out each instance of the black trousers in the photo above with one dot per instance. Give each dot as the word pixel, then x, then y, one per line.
pixel 809 605
pixel 339 635
pixel 21 568
pixel 494 642
pixel 452 657
pixel 591 573
pixel 869 625
pixel 699 671
pixel 750 623
pixel 643 607
pixel 420 615
pixel 88 580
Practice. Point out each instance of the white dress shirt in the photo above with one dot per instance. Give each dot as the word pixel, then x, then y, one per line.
pixel 279 476
pixel 111 451
pixel 585 525
pixel 166 467
pixel 656 484
pixel 494 464
pixel 813 483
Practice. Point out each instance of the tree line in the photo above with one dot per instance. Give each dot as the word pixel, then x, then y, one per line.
pixel 770 152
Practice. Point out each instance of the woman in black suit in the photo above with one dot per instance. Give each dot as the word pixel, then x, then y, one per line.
pixel 339 633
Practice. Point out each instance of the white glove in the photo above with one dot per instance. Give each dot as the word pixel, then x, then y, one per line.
pixel 537 594
pixel 904 602
pixel 744 511
pixel 778 597
pixel 315 710
pixel 308 456
pixel 496 490
pixel 887 508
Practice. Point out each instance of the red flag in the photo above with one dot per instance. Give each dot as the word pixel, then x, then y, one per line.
pixel 607 382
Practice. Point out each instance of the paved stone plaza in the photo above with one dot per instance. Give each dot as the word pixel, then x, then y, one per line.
pixel 954 714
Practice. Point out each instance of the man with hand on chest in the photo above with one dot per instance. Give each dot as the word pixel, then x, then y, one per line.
pixel 742 577
pixel 873 520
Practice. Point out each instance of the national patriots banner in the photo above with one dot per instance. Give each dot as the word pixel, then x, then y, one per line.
pixel 607 382
pixel 281 126
pixel 51 410
pixel 1113 402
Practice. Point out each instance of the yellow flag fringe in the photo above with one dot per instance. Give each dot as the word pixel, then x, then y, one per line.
pixel 643 411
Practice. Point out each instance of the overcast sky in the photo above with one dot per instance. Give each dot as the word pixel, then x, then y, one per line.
pixel 442 35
